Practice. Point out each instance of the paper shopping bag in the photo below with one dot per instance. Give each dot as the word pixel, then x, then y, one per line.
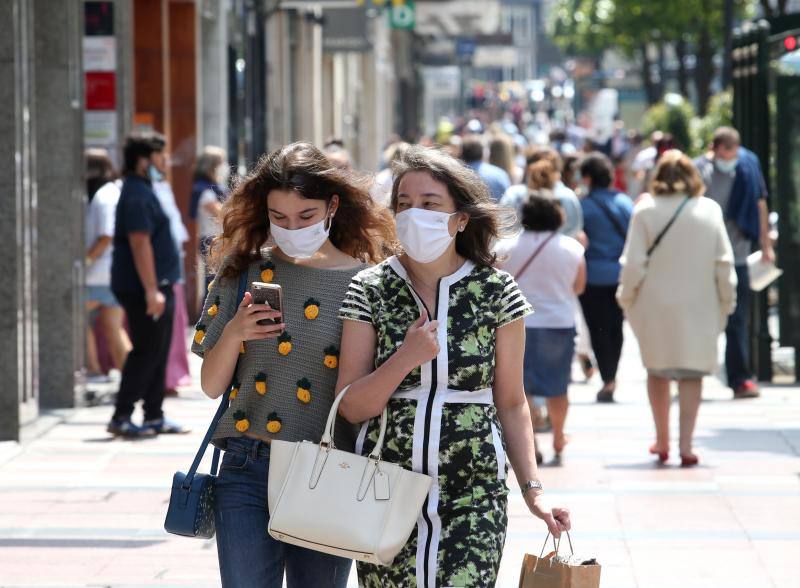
pixel 554 571
pixel 538 573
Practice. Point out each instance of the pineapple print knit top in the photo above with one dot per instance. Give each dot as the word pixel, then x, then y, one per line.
pixel 284 387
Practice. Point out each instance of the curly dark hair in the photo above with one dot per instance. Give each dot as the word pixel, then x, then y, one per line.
pixel 542 212
pixel 488 221
pixel 361 228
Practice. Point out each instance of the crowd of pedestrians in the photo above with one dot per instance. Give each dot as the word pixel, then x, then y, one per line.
pixel 588 184
pixel 455 290
pixel 135 278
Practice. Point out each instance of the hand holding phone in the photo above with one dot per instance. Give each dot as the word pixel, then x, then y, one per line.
pixel 272 296
pixel 254 321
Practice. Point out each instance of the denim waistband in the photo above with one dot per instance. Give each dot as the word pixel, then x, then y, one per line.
pixel 255 448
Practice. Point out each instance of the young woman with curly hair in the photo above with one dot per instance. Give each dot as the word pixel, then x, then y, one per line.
pixel 300 222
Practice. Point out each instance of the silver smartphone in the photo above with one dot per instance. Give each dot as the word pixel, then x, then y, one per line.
pixel 271 294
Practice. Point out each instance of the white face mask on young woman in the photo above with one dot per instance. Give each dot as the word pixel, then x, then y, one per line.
pixel 301 243
pixel 424 234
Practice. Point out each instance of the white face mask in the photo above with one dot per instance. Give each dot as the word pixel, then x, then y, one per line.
pixel 301 243
pixel 726 166
pixel 424 234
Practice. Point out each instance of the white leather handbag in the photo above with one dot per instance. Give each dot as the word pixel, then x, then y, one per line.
pixel 341 503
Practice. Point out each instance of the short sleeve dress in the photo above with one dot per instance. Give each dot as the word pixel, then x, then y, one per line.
pixel 442 420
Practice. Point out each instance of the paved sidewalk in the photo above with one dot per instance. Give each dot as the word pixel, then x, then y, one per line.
pixel 79 509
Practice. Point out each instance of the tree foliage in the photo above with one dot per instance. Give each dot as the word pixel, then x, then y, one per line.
pixel 640 28
pixel 588 27
pixel 719 114
pixel 672 115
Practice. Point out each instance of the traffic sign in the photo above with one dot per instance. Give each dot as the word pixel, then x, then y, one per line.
pixel 465 47
pixel 402 15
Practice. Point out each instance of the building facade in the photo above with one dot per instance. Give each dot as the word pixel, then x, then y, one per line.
pixel 40 210
pixel 246 75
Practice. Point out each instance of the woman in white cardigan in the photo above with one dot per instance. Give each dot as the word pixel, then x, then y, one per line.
pixel 677 288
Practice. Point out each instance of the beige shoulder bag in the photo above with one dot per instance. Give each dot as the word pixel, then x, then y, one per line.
pixel 341 503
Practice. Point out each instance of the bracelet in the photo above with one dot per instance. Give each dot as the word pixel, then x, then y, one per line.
pixel 530 485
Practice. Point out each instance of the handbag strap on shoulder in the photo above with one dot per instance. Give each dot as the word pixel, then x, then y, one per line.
pixel 223 406
pixel 533 256
pixel 663 232
pixel 613 219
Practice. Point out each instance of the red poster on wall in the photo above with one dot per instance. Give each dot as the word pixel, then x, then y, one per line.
pixel 100 90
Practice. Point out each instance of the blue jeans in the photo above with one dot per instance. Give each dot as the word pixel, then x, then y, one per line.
pixel 737 350
pixel 248 556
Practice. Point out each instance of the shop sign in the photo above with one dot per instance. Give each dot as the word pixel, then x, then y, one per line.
pixel 100 88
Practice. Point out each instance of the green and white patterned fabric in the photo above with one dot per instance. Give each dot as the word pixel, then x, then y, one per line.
pixel 442 420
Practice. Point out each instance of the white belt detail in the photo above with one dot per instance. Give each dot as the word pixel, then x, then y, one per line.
pixel 485 396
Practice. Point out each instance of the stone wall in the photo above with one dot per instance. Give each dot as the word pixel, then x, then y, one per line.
pixel 58 30
pixel 41 209
pixel 19 401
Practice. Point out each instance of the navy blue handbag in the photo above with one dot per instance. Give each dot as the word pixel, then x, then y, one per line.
pixel 191 502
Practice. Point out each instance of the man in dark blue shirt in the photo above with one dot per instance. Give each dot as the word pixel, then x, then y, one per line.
pixel 144 266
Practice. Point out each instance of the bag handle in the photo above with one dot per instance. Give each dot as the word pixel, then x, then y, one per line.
pixel 327 437
pixel 556 546
pixel 666 228
pixel 223 406
pixel 534 256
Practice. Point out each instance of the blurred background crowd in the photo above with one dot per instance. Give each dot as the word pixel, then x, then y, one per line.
pixel 575 101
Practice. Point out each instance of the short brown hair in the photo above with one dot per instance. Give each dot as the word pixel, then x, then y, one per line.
pixel 598 168
pixel 472 148
pixel 542 175
pixel 99 165
pixel 539 153
pixel 488 221
pixel 676 174
pixel 726 137
pixel 542 212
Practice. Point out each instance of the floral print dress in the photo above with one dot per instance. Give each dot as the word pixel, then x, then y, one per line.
pixel 442 420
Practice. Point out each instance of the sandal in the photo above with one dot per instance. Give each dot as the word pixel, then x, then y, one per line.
pixel 688 461
pixel 663 456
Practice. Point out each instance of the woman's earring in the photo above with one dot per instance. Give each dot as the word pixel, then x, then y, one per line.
pixel 460 228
